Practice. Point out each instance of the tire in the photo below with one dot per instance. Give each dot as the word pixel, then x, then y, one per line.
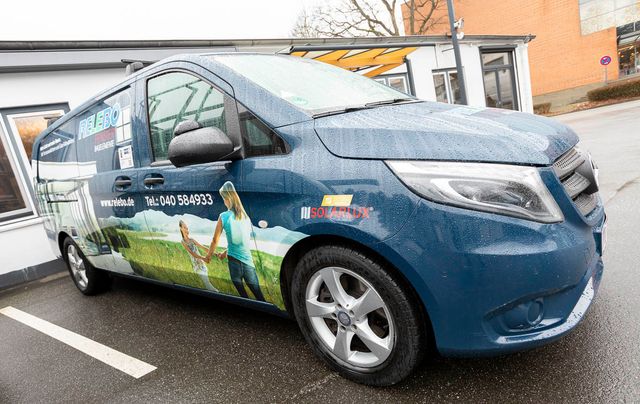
pixel 339 330
pixel 88 279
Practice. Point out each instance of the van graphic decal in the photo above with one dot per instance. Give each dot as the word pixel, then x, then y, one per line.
pixel 337 200
pixel 226 255
pixel 335 212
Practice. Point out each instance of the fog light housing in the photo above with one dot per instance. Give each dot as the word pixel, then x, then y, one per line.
pixel 525 315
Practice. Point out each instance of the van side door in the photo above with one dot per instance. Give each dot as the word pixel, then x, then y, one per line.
pixel 182 204
pixel 107 193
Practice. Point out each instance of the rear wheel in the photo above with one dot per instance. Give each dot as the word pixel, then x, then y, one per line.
pixel 356 316
pixel 88 279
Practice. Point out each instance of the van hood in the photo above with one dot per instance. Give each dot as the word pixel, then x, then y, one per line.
pixel 436 131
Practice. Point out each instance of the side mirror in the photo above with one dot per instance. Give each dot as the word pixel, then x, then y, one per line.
pixel 192 144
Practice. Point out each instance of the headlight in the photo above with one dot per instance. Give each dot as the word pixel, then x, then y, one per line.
pixel 504 189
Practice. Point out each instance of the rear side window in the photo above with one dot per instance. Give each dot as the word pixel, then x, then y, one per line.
pixel 175 97
pixel 103 134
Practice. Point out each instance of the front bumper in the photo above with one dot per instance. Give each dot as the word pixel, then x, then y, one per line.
pixel 493 284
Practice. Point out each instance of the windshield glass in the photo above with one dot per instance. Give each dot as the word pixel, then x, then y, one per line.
pixel 309 85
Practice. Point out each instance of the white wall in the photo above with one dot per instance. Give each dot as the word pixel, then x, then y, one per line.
pixel 523 74
pixel 24 244
pixel 72 86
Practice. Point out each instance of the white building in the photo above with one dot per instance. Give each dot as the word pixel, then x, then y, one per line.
pixel 43 80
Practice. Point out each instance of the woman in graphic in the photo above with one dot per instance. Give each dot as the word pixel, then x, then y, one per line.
pixel 237 228
pixel 197 260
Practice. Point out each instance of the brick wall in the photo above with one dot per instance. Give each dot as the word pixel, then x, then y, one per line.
pixel 560 56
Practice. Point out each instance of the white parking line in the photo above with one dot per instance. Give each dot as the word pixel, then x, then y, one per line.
pixel 103 353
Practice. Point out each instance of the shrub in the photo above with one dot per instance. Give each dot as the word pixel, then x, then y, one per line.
pixel 627 89
pixel 542 109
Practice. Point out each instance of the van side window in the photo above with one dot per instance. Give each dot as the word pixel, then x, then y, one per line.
pixel 175 97
pixel 103 133
pixel 258 139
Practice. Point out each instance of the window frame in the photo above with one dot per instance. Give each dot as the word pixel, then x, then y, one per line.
pixel 387 77
pixel 19 162
pixel 231 117
pixel 446 72
pixel 510 50
pixel 243 133
pixel 120 89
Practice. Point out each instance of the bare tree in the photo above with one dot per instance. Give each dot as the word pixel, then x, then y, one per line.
pixel 342 18
pixel 304 27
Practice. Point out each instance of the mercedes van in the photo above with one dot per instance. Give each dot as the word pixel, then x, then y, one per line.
pixel 382 223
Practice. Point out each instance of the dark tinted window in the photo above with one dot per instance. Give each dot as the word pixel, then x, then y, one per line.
pixel 258 138
pixel 175 97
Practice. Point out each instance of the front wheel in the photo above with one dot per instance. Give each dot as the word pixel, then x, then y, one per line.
pixel 356 316
pixel 88 279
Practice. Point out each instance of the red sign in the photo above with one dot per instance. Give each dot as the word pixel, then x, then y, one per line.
pixel 605 60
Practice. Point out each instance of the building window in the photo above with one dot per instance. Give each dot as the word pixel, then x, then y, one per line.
pixel 447 87
pixel 399 82
pixel 499 79
pixel 26 123
pixel 629 48
pixel 20 127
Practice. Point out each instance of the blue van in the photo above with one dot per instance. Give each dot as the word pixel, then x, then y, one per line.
pixel 382 223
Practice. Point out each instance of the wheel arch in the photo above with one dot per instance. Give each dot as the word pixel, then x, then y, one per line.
pixel 309 243
pixel 62 236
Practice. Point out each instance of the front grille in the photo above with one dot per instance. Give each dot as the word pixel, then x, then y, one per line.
pixel 576 172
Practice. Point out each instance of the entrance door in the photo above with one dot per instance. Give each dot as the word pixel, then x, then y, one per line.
pixel 499 80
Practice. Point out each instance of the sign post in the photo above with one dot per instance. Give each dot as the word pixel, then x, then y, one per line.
pixel 604 61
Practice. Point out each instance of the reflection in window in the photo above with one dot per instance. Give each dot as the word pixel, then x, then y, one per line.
pixel 396 81
pixel 441 87
pixel 258 138
pixel 629 58
pixel 175 97
pixel 447 86
pixel 495 59
pixel 29 125
pixel 499 79
pixel 11 195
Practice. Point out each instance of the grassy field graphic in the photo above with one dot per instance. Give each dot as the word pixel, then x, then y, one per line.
pixel 167 261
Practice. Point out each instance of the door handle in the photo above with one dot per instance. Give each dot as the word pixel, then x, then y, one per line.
pixel 122 182
pixel 155 180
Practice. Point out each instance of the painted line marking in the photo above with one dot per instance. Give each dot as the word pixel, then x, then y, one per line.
pixel 103 353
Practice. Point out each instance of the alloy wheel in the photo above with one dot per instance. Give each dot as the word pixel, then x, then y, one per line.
pixel 78 269
pixel 350 317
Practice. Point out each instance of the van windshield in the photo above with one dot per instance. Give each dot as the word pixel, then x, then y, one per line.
pixel 312 86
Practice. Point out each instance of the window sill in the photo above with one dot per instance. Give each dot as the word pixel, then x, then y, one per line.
pixel 20 223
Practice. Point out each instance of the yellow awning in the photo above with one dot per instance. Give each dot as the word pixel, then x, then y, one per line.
pixel 377 60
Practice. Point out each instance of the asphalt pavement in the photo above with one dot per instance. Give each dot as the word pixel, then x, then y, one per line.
pixel 209 351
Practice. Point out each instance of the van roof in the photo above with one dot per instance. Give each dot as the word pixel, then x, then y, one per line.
pixel 226 74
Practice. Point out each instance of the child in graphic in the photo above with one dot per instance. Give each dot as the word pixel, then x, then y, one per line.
pixel 197 261
pixel 237 228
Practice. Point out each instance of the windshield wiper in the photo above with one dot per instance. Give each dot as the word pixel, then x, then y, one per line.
pixel 388 102
pixel 340 111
